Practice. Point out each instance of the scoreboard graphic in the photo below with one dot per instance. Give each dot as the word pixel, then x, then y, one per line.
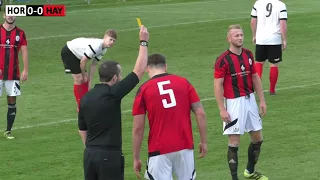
pixel 35 10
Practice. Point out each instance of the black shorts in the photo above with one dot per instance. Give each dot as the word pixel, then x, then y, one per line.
pixel 271 52
pixel 70 61
pixel 103 164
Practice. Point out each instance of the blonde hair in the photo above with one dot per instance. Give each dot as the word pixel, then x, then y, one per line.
pixel 233 26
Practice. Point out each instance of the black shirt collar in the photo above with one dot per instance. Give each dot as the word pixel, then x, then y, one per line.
pixel 101 85
pixel 160 75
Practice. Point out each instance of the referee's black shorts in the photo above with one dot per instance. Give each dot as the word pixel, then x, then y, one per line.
pixel 102 164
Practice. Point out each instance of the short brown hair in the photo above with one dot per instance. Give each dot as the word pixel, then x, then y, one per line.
pixel 107 70
pixel 156 60
pixel 111 33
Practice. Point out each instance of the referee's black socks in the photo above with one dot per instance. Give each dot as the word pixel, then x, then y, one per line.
pixel 11 115
pixel 233 162
pixel 253 155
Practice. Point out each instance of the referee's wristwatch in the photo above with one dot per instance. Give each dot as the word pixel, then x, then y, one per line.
pixel 144 43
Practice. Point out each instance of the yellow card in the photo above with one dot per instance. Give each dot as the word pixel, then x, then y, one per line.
pixel 139 22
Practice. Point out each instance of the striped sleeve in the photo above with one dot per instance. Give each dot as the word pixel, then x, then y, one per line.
pixel 23 41
pixel 254 11
pixel 100 55
pixel 220 67
pixel 283 12
pixel 93 50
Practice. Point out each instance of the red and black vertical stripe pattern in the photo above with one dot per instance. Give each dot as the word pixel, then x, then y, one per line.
pixel 244 67
pixel 250 64
pixel 234 76
pixel 242 84
pixel 9 53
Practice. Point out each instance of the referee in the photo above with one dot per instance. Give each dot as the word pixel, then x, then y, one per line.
pixel 99 118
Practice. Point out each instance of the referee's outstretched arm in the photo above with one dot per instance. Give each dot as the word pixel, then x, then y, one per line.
pixel 123 87
pixel 141 63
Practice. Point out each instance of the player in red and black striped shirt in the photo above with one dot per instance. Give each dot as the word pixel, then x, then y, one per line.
pixel 12 40
pixel 235 79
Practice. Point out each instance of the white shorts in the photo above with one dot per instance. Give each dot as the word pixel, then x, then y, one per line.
pixel 181 163
pixel 12 87
pixel 244 113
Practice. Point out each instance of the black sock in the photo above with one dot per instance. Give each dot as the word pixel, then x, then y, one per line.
pixel 253 155
pixel 233 162
pixel 11 115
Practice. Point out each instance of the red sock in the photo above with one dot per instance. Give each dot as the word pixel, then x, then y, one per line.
pixel 85 88
pixel 259 69
pixel 274 72
pixel 77 90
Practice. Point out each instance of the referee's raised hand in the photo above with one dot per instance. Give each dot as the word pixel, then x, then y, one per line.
pixel 144 34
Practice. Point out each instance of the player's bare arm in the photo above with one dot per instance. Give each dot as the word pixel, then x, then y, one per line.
pixel 254 29
pixel 218 92
pixel 25 59
pixel 283 24
pixel 137 137
pixel 137 134
pixel 201 118
pixel 257 85
pixel 92 69
pixel 254 23
pixel 141 63
pixel 83 64
pixel 283 29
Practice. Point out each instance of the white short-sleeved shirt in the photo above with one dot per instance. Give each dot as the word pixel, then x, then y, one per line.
pixel 268 14
pixel 89 47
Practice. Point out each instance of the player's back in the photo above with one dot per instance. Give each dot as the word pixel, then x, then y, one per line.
pixel 79 45
pixel 168 103
pixel 269 13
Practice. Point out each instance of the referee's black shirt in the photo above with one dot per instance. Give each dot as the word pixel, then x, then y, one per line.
pixel 100 113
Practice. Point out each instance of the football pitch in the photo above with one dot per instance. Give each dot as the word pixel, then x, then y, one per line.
pixel 191 34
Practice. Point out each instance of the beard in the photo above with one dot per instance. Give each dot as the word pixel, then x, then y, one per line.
pixel 238 45
pixel 10 22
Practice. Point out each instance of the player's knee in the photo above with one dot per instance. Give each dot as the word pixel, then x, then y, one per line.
pixel 256 136
pixel 257 140
pixel 233 144
pixel 78 79
pixel 274 64
pixel 11 100
pixel 234 141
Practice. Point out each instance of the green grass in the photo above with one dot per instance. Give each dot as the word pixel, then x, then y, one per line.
pixel 191 34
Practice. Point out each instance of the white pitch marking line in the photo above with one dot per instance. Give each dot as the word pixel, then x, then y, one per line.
pixel 131 29
pixel 181 3
pixel 137 11
pixel 128 111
